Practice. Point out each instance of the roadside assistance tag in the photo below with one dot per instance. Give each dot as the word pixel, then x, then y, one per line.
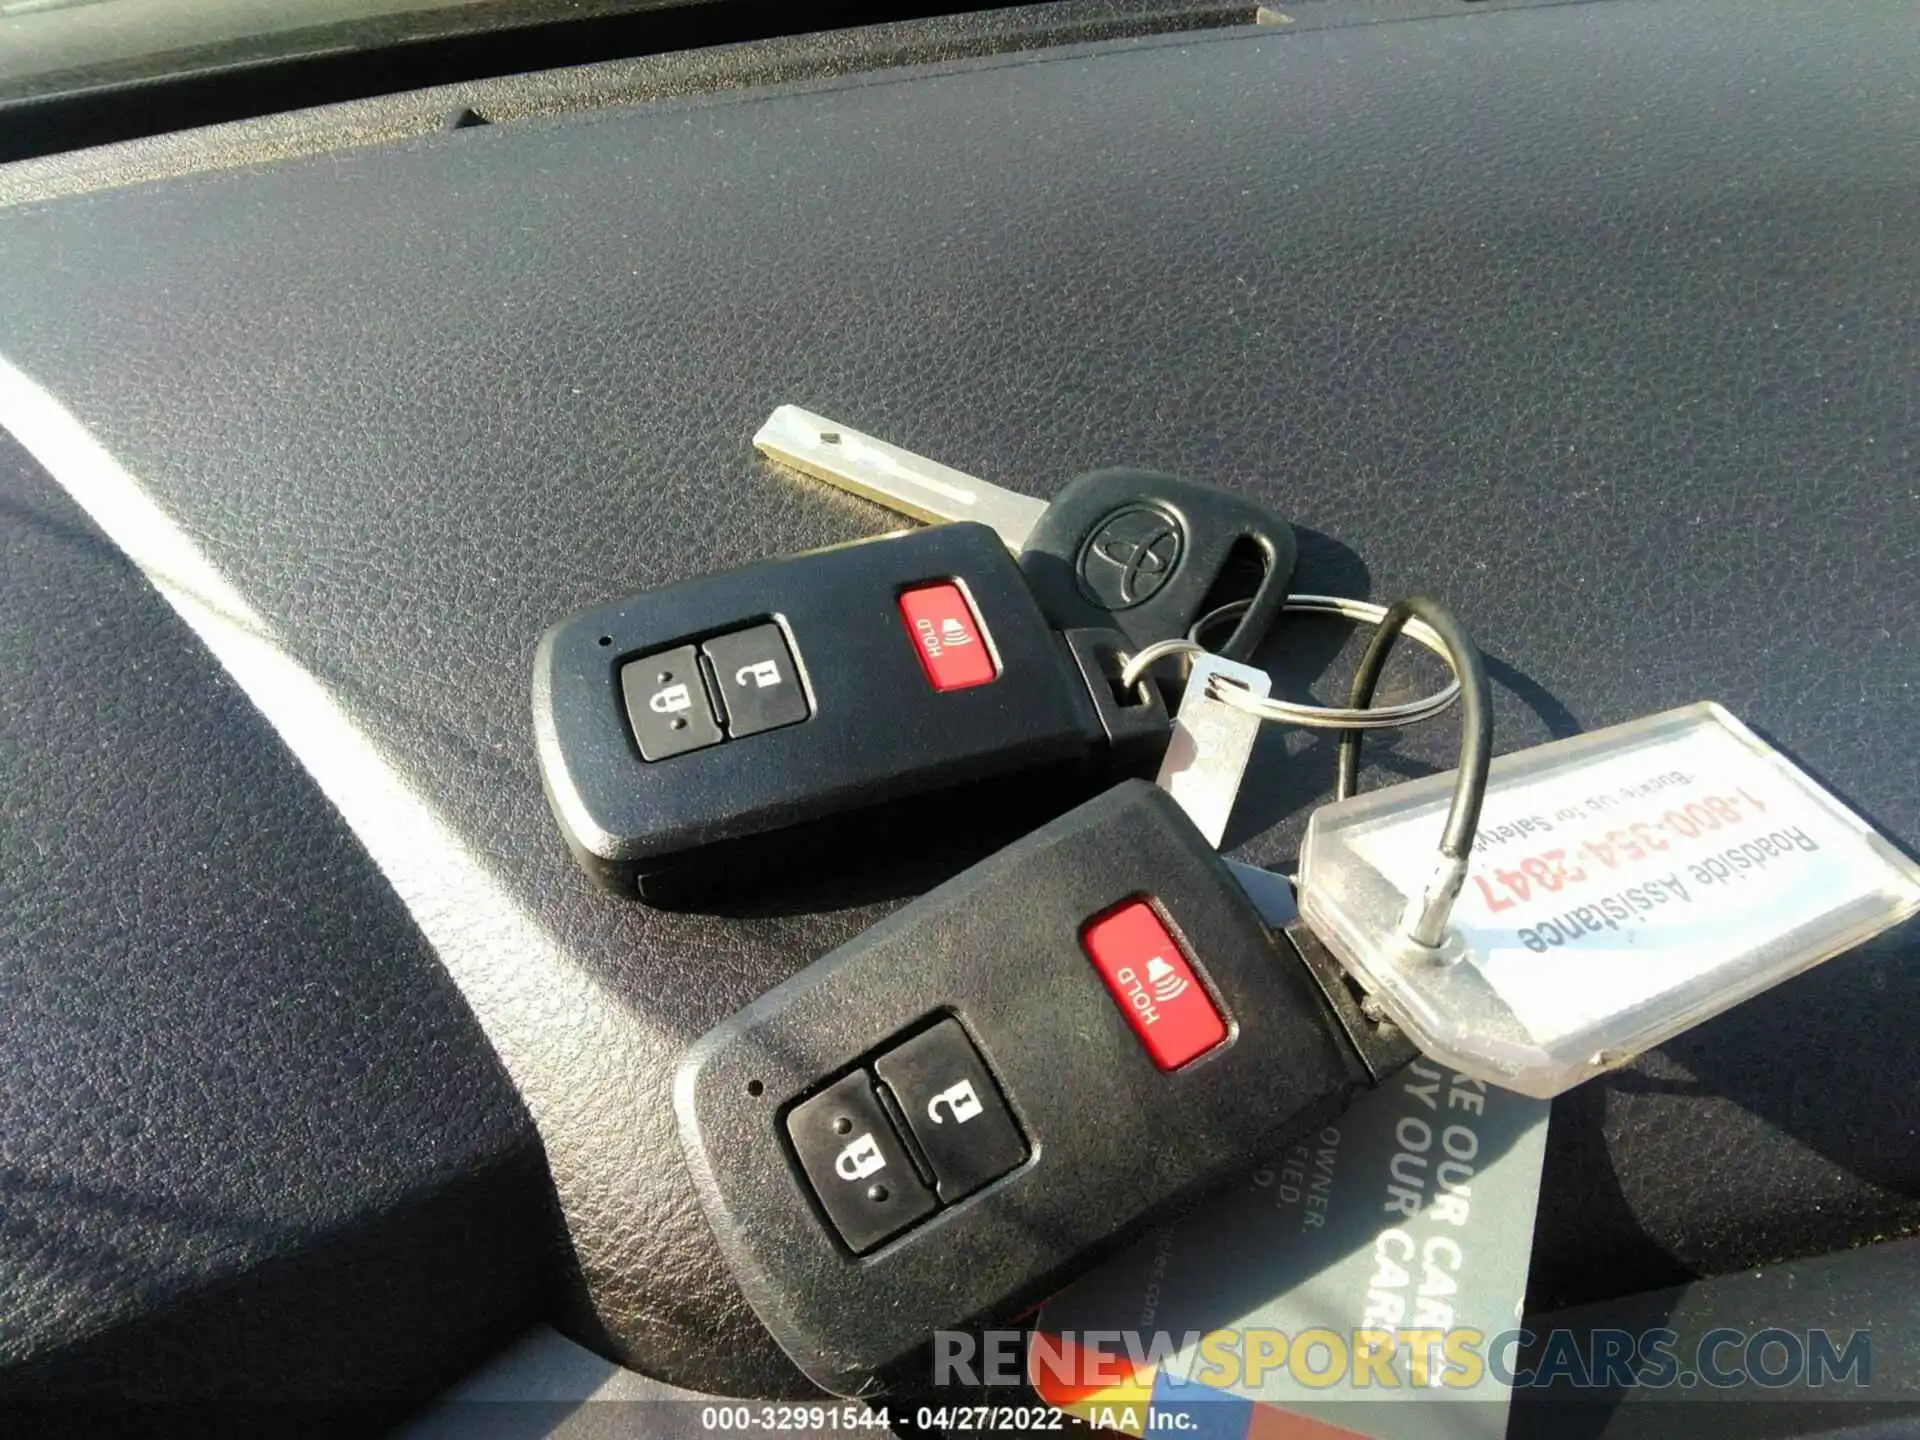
pixel 1624 886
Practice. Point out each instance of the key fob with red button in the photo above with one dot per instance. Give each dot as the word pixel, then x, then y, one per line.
pixel 948 1118
pixel 874 694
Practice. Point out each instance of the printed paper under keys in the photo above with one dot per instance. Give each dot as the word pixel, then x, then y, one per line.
pixel 1412 1212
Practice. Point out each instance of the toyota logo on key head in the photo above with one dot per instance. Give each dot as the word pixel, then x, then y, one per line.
pixel 1129 556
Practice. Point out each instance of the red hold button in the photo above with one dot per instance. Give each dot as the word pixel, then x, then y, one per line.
pixel 1154 985
pixel 947 635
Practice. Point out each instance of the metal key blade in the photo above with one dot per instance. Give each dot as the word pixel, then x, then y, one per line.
pixel 898 479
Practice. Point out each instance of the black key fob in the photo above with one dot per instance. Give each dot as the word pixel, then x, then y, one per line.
pixel 841 702
pixel 950 1117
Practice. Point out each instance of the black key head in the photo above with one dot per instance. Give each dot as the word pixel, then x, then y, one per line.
pixel 1149 554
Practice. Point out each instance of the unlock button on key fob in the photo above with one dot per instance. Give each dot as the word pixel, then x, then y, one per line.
pixel 759 686
pixel 952 1107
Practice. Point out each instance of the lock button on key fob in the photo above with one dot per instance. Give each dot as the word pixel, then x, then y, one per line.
pixel 856 1164
pixel 667 704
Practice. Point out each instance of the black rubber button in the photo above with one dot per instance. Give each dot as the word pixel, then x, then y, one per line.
pixel 956 1114
pixel 667 704
pixel 856 1164
pixel 758 681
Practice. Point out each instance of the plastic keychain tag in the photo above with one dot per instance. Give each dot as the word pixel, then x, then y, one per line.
pixel 1625 885
pixel 1211 743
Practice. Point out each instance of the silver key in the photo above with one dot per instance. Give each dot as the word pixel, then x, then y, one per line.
pixel 898 479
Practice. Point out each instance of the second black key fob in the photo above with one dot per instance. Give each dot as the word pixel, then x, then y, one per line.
pixel 957 1112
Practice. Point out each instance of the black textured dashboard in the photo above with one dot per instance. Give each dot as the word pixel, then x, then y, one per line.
pixel 253 1147
pixel 1596 320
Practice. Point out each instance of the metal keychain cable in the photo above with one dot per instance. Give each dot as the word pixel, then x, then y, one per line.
pixel 1427 913
pixel 1428 623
